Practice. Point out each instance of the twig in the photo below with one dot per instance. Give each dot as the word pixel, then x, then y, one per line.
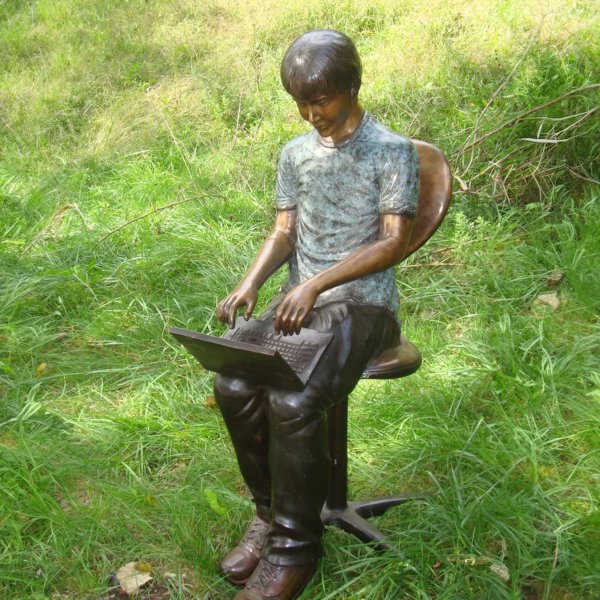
pixel 463 184
pixel 579 176
pixel 462 243
pixel 545 140
pixel 76 208
pixel 433 264
pixel 496 163
pixel 151 212
pixel 582 118
pixel 520 117
pixel 558 119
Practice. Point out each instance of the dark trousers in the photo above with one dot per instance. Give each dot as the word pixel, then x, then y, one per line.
pixel 280 436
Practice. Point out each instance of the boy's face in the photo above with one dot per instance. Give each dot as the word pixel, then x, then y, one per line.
pixel 328 113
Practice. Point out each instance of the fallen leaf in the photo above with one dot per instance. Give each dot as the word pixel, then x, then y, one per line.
pixel 548 298
pixel 131 579
pixel 463 184
pixel 151 500
pixel 210 402
pixel 41 369
pixel 144 567
pixel 555 279
pixel 213 502
pixel 501 570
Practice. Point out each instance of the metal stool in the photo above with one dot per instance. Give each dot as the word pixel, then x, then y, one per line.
pixel 435 189
pixel 396 362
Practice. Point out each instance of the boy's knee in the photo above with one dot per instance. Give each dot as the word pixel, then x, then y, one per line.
pixel 288 406
pixel 232 388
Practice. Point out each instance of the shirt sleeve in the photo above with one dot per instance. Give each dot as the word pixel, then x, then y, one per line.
pixel 286 196
pixel 400 180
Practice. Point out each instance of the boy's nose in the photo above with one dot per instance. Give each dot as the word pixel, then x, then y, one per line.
pixel 313 114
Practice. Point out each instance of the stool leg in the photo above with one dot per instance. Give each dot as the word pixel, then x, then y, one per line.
pixel 338 452
pixel 351 517
pixel 375 507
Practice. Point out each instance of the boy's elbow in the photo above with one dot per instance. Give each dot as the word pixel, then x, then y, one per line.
pixel 389 252
pixel 396 245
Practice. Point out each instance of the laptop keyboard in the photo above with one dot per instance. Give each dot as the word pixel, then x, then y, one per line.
pixel 297 354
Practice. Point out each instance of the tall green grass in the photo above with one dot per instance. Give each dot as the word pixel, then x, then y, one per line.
pixel 109 450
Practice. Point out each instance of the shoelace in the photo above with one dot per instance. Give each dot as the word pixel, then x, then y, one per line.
pixel 265 575
pixel 256 533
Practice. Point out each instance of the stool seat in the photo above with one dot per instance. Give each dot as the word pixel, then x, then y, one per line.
pixel 398 361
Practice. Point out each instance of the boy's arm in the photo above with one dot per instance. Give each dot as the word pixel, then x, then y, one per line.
pixel 386 251
pixel 275 250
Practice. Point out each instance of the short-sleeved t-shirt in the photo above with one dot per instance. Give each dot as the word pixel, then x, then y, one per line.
pixel 340 191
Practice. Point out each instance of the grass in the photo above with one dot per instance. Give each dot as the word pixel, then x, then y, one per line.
pixel 109 450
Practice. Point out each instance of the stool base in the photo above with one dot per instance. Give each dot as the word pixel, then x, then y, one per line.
pixel 353 519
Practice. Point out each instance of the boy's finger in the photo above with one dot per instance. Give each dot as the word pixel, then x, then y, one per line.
pixel 280 316
pixel 249 309
pixel 298 320
pixel 231 317
pixel 289 325
pixel 293 320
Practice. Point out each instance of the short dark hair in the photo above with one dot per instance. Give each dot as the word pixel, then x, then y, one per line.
pixel 321 62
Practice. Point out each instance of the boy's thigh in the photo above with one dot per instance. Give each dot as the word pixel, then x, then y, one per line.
pixel 360 332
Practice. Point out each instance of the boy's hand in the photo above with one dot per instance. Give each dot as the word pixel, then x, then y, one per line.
pixel 294 308
pixel 243 295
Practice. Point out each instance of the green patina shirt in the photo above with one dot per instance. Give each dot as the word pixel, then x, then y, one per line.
pixel 339 192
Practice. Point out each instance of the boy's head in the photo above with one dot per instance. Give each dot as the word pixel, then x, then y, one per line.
pixel 321 62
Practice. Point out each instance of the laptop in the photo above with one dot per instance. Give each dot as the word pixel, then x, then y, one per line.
pixel 254 351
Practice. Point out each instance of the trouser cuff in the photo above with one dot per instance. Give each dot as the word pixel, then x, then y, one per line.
pixel 291 559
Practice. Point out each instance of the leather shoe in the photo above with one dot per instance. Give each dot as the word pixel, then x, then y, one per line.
pixel 239 563
pixel 275 582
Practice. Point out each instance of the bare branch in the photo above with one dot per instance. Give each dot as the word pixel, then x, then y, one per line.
pixel 433 264
pixel 531 111
pixel 153 211
pixel 580 176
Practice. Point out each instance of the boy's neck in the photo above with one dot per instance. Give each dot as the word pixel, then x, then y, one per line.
pixel 350 125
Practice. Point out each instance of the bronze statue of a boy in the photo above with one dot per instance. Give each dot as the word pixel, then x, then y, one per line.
pixel 346 197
